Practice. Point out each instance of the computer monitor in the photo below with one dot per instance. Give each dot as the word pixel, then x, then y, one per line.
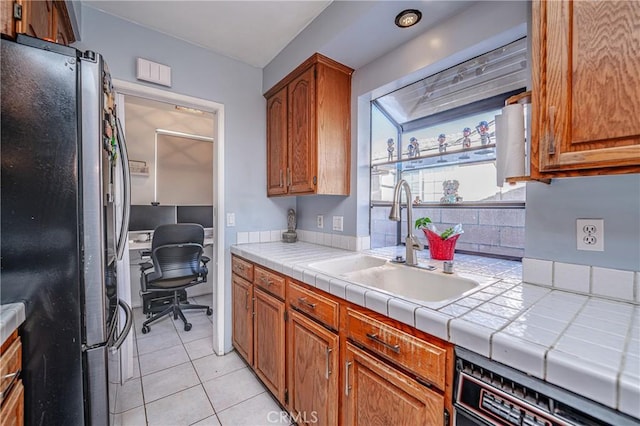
pixel 148 218
pixel 196 214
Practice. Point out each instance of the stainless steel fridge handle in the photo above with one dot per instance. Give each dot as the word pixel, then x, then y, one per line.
pixel 126 174
pixel 127 325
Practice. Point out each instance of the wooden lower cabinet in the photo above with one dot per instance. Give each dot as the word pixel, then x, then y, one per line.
pixel 377 394
pixel 11 387
pixel 330 362
pixel 313 365
pixel 269 342
pixel 242 317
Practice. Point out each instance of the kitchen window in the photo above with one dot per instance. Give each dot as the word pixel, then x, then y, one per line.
pixel 440 132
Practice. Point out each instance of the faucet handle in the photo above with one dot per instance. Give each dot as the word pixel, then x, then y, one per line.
pixel 417 245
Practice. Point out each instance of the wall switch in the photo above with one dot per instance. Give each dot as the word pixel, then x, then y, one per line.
pixel 590 234
pixel 320 221
pixel 337 223
pixel 231 219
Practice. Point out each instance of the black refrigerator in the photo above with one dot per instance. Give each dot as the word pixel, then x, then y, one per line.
pixel 60 143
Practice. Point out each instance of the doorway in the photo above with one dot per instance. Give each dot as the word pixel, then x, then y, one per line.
pixel 215 130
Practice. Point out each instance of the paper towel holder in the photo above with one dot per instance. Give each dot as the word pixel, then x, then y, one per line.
pixel 522 98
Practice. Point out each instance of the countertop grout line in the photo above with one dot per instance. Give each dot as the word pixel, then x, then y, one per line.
pixel 469 265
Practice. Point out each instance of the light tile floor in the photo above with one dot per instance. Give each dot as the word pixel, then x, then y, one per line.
pixel 179 380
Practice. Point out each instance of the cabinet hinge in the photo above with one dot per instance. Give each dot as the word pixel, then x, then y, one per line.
pixel 446 417
pixel 286 315
pixel 286 396
pixel 17 11
pixel 315 180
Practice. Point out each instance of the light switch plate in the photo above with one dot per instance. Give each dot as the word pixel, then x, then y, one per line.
pixel 337 223
pixel 231 219
pixel 590 234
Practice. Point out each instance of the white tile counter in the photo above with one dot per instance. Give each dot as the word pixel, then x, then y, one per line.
pixel 586 344
pixel 11 316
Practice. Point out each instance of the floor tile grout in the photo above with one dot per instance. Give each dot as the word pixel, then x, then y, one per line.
pixel 138 319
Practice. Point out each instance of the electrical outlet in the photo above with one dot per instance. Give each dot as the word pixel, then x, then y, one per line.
pixel 320 221
pixel 337 223
pixel 590 234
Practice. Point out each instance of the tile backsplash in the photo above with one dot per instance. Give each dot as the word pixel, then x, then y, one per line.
pixel 584 279
pixel 346 242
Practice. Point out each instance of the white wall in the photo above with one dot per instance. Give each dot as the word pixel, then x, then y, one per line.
pixel 199 73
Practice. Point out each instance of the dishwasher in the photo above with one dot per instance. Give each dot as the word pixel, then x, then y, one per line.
pixel 487 393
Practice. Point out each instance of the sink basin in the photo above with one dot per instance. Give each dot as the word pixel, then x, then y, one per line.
pixel 414 283
pixel 348 264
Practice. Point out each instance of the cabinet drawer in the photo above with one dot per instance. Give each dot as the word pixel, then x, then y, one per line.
pixel 10 365
pixel 316 306
pixel 12 413
pixel 242 268
pixel 269 281
pixel 422 358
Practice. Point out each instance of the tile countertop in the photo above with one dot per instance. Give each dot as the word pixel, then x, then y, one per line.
pixel 586 344
pixel 11 316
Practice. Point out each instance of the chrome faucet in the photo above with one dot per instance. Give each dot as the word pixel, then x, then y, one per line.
pixel 412 243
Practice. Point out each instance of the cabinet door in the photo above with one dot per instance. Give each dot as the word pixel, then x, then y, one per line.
pixel 586 84
pixel 7 25
pixel 302 133
pixel 376 393
pixel 313 371
pixel 62 31
pixel 277 143
pixel 269 362
pixel 242 322
pixel 37 19
pixel 12 412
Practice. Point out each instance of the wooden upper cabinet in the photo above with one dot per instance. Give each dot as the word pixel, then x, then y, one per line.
pixel 62 31
pixel 586 87
pixel 309 149
pixel 7 24
pixel 44 19
pixel 302 130
pixel 277 143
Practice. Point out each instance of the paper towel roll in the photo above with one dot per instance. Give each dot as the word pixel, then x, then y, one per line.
pixel 510 143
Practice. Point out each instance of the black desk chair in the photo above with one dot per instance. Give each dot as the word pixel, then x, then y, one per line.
pixel 177 263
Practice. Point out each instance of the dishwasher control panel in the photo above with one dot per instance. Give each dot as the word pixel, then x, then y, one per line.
pixel 489 393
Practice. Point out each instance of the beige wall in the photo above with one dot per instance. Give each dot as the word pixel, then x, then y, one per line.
pixel 142 118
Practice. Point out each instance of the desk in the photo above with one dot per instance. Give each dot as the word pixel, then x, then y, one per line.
pixel 146 245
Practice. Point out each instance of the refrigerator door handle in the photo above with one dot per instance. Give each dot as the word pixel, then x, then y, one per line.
pixel 126 174
pixel 127 325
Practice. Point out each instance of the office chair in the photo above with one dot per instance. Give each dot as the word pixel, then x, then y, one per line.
pixel 177 263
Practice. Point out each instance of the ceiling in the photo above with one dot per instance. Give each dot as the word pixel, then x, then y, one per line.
pixel 253 32
pixel 269 26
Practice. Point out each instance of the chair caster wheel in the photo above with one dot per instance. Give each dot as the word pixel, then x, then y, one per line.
pixel 145 329
pixel 187 327
pixel 209 312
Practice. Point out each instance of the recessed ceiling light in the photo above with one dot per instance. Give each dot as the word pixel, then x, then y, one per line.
pixel 408 18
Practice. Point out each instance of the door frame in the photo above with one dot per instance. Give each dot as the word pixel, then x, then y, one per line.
pixel 218 264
